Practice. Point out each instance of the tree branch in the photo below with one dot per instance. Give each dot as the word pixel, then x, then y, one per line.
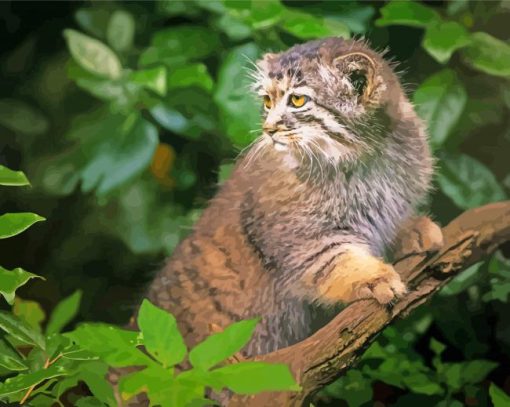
pixel 330 352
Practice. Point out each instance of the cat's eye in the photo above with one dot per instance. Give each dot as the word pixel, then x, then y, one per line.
pixel 298 100
pixel 358 81
pixel 267 102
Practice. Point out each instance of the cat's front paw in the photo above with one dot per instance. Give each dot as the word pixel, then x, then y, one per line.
pixel 385 285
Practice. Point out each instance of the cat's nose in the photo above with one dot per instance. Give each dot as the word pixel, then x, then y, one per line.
pixel 271 128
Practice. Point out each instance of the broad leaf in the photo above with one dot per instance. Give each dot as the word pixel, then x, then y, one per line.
pixel 93 55
pixel 462 281
pixel 218 347
pixel 20 330
pixel 409 13
pixel 93 20
pixel 457 375
pixel 488 54
pixel 239 109
pixel 112 150
pixel 442 39
pixel 179 44
pixel 255 377
pixel 115 346
pixel 190 75
pixel 94 375
pixel 153 79
pixel 440 101
pixel 9 358
pixel 89 402
pixel 22 118
pixel 468 182
pixel 161 336
pixel 121 30
pixel 263 15
pixel 12 224
pixel 12 178
pixel 189 112
pixel 24 381
pixel 29 311
pixel 11 280
pixel 64 313
pixel 307 26
pixel 153 379
pixel 498 397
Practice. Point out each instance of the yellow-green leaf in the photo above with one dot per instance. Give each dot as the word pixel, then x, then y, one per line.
pixel 488 54
pixel 93 55
pixel 12 224
pixel 11 280
pixel 12 178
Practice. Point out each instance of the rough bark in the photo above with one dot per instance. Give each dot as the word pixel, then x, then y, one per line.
pixel 331 351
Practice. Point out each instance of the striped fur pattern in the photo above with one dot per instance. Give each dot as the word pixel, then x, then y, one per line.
pixel 311 207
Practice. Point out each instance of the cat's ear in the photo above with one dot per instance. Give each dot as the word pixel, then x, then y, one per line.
pixel 360 69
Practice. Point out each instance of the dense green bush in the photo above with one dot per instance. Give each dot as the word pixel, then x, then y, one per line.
pixel 125 115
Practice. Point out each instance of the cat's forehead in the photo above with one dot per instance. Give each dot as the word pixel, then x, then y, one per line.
pixel 301 65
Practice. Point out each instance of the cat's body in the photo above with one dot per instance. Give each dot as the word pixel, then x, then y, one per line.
pixel 302 223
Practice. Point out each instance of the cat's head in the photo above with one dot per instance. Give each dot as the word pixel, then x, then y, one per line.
pixel 328 98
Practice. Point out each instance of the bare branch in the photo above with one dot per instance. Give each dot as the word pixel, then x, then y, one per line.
pixel 331 351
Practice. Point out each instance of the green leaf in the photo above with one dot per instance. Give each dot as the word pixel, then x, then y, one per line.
pixel 121 30
pixel 120 93
pixel 93 20
pixel 437 347
pixel 468 182
pixel 21 118
pixel 20 330
pixel 26 380
pixel 218 347
pixel 64 312
pixel 161 336
pixel 189 112
pixel 41 400
pixel 93 55
pixel 190 75
pixel 239 109
pixel 89 402
pixel 153 379
pixel 29 311
pixel 153 79
pixel 179 44
pixel 422 384
pixel 255 377
pixel 440 101
pixel 111 151
pixel 443 38
pixel 462 281
pixel 488 54
pixel 9 358
pixel 264 14
pixel 12 178
pixel 307 26
pixel 11 280
pixel 498 397
pixel 12 224
pixel 353 387
pixel 408 13
pixel 235 29
pixel 115 346
pixel 94 375
pixel 457 375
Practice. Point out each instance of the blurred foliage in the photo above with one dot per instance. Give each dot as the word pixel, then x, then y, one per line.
pixel 126 115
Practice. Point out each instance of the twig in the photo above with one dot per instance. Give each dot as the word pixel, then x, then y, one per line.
pixel 47 364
